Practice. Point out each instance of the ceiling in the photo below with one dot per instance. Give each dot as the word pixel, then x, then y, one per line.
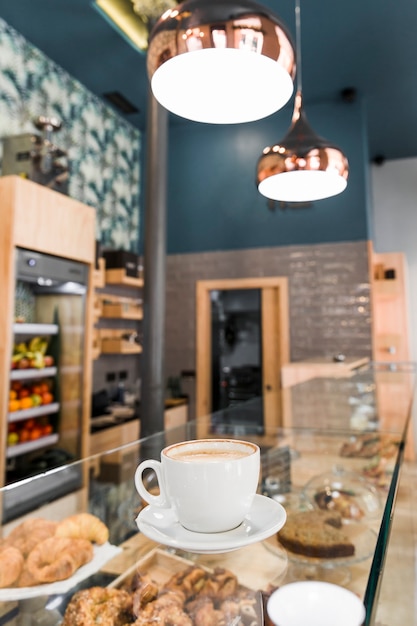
pixel 367 45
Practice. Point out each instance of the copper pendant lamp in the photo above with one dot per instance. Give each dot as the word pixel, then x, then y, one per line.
pixel 302 166
pixel 221 61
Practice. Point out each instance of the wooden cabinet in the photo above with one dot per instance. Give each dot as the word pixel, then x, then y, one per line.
pixel 45 224
pixel 390 333
pixel 390 323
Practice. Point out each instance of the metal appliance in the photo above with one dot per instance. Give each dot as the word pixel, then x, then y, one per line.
pixel 48 353
pixel 37 157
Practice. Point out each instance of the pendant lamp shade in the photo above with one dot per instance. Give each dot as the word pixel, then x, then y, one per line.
pixel 302 166
pixel 221 61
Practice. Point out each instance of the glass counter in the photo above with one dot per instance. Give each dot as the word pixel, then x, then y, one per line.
pixel 350 431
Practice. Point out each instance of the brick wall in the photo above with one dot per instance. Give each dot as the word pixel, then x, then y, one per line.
pixel 329 298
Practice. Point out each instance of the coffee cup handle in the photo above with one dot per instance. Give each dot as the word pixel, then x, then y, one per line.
pixel 160 500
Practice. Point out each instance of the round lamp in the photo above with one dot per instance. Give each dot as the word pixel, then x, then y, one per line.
pixel 302 166
pixel 221 62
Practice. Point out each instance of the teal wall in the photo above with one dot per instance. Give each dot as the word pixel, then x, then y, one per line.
pixel 213 203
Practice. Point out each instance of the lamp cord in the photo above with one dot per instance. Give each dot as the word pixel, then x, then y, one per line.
pixel 298 44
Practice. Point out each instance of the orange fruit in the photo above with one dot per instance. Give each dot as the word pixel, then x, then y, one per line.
pixel 12 394
pixel 26 403
pixel 14 405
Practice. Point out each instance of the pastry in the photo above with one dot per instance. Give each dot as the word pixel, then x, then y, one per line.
pixel 99 605
pixel 83 526
pixel 339 500
pixel 57 558
pixel 28 534
pixel 316 534
pixel 368 445
pixel 11 564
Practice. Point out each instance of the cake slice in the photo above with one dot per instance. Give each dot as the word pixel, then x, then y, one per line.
pixel 316 534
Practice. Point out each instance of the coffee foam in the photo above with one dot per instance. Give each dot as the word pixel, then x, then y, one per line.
pixel 207 456
pixel 209 451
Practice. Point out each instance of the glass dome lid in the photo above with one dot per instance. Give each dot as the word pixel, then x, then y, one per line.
pixel 344 491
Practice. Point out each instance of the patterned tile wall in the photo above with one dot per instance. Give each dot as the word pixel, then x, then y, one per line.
pixel 329 298
pixel 103 149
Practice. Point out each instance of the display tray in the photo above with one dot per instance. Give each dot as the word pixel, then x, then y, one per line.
pixel 102 554
pixel 161 566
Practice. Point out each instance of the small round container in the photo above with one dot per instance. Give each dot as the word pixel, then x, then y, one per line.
pixel 315 603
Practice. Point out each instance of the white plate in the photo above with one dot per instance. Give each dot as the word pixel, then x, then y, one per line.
pixel 265 518
pixel 102 554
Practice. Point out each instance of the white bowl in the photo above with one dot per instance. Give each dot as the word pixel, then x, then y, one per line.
pixel 315 603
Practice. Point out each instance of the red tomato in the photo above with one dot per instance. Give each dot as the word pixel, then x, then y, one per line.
pixel 36 432
pixel 47 398
pixel 24 435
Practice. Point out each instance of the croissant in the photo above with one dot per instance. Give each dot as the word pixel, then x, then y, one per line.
pixel 30 533
pixel 83 526
pixel 11 563
pixel 57 558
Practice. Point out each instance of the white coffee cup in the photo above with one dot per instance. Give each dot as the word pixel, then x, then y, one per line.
pixel 209 484
pixel 316 603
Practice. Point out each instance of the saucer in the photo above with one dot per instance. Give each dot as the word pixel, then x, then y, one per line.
pixel 265 518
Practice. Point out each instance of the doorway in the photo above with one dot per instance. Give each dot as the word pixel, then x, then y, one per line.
pixel 226 310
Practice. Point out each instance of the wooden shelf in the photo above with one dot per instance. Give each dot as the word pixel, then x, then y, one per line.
pixel 111 305
pixel 112 341
pixel 119 277
pixel 121 308
pixel 119 346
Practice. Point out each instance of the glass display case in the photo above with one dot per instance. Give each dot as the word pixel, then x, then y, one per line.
pixel 340 450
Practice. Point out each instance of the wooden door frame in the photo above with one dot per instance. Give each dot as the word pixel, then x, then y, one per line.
pixel 203 330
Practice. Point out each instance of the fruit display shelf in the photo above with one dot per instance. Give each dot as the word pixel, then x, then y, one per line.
pixel 38 411
pixel 32 373
pixel 34 329
pixel 30 446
